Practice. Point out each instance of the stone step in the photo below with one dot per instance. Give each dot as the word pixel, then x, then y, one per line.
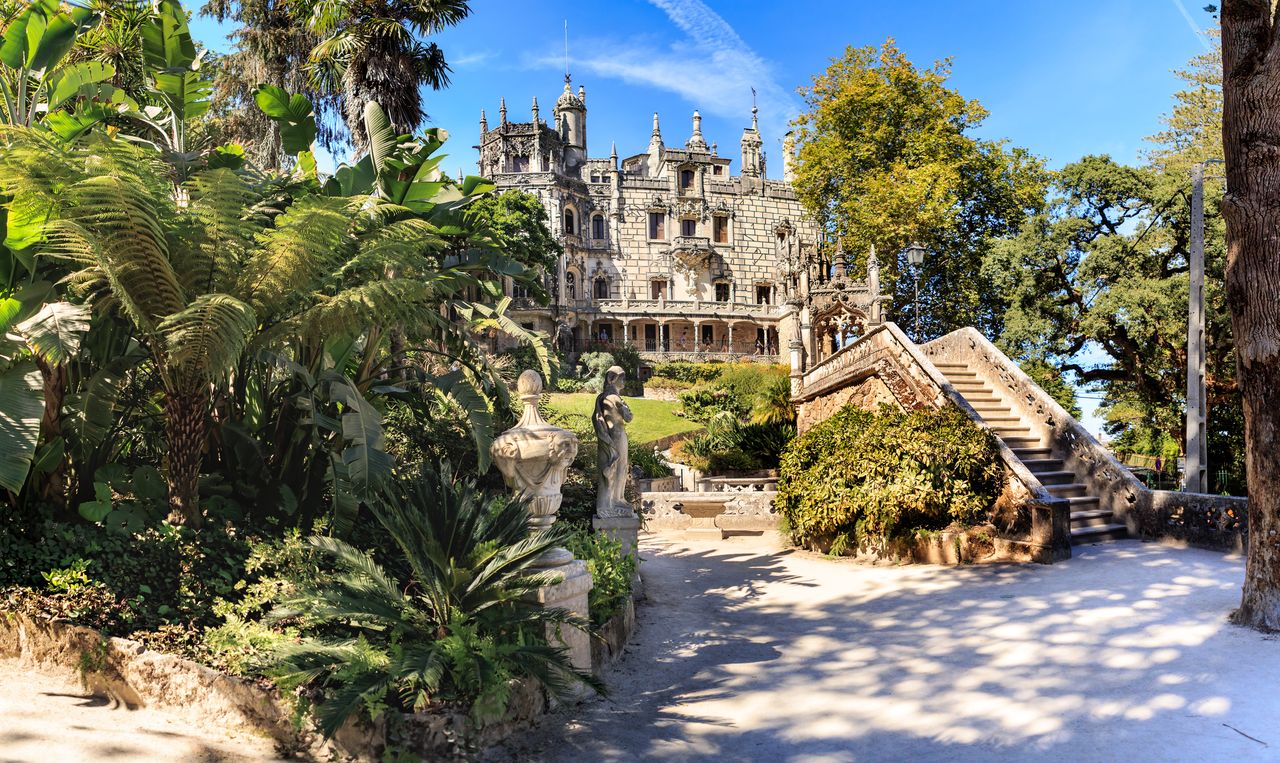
pixel 1093 518
pixel 991 406
pixel 976 400
pixel 1042 464
pixel 969 384
pixel 1069 490
pixel 945 365
pixel 1083 502
pixel 1022 442
pixel 1055 478
pixel 1031 454
pixel 1009 431
pixel 993 419
pixel 1081 535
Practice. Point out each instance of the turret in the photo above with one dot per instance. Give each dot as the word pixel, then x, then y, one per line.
pixel 655 146
pixel 789 157
pixel 752 157
pixel 571 122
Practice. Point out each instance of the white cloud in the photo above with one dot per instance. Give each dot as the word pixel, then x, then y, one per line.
pixel 712 67
pixel 1191 22
pixel 470 59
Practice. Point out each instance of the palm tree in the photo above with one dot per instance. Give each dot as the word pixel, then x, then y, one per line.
pixel 455 631
pixel 204 278
pixel 370 51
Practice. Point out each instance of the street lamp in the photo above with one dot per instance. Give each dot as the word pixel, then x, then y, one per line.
pixel 915 256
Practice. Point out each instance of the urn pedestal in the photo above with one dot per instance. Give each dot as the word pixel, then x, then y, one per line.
pixel 533 457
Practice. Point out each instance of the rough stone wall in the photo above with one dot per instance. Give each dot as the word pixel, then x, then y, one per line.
pixel 1215 522
pixel 868 395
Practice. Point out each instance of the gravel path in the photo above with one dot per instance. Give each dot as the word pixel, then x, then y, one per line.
pixel 748 652
pixel 46 720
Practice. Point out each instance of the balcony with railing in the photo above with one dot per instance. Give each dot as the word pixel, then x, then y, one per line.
pixel 674 308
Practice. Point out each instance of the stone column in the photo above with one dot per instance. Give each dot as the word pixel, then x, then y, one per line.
pixel 729 346
pixel 533 457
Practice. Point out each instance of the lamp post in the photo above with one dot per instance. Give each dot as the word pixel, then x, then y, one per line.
pixel 1197 445
pixel 915 256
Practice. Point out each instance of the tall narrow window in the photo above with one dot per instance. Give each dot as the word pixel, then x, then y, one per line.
pixel 602 288
pixel 568 222
pixel 688 227
pixel 570 286
pixel 657 226
pixel 720 225
pixel 763 293
pixel 657 289
pixel 722 292
pixel 686 179
pixel 597 227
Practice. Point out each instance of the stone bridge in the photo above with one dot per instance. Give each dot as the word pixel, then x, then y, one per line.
pixel 1062 486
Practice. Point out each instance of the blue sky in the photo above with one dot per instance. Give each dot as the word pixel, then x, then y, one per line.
pixel 1063 79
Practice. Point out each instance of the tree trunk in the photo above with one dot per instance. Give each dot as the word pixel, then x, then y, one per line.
pixel 186 414
pixel 1251 141
pixel 53 488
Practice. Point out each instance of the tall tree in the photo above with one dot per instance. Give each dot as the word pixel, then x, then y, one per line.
pixel 272 48
pixel 370 51
pixel 886 157
pixel 1251 145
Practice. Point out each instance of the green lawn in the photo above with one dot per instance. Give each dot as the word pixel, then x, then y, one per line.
pixel 653 419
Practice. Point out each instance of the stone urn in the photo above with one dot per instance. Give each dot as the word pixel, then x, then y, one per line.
pixel 533 457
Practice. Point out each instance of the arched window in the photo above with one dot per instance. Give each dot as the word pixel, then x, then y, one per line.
pixel 570 285
pixel 569 227
pixel 597 227
pixel 602 288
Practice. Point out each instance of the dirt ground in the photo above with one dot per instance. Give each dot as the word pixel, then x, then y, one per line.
pixel 749 652
pixel 47 720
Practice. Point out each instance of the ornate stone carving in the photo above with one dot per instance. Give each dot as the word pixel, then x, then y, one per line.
pixel 613 458
pixel 533 457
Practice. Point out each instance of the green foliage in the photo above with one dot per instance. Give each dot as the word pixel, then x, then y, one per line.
pixel 876 476
pixel 1054 382
pixel 705 402
pixel 887 157
pixel 517 221
pixel 690 373
pixel 454 631
pixel 647 463
pixel 612 572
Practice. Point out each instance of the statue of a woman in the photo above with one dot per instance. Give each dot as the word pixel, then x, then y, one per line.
pixel 612 456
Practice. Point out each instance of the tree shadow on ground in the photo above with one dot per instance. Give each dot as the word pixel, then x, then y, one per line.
pixel 1122 652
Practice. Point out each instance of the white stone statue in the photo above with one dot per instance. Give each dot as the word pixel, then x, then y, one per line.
pixel 533 457
pixel 611 414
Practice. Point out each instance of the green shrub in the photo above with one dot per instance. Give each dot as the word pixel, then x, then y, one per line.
pixel 689 373
pixel 646 461
pixel 875 476
pixel 705 401
pixel 662 382
pixel 454 630
pixel 611 572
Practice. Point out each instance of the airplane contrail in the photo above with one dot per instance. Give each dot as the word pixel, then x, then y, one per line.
pixel 1191 22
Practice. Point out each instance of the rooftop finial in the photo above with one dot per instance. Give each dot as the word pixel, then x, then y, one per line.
pixel 484 123
pixel 502 109
pixel 754 111
pixel 566 55
pixel 696 141
pixel 535 110
pixel 657 133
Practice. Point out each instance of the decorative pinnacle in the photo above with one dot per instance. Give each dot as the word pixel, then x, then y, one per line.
pixel 657 133
pixel 502 109
pixel 529 389
pixel 535 109
pixel 755 125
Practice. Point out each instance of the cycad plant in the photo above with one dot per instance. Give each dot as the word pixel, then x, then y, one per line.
pixel 454 630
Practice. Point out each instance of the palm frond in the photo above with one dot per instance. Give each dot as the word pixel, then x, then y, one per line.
pixel 209 335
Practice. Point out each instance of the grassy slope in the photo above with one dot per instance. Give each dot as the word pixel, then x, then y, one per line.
pixel 654 419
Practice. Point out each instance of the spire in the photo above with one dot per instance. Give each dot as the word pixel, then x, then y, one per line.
pixel 535 111
pixel 657 133
pixel 502 110
pixel 695 141
pixel 613 154
pixel 755 124
pixel 484 123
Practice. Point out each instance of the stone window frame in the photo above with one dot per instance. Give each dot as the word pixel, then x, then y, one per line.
pixel 571 283
pixel 727 283
pixel 661 227
pixel 569 220
pixel 755 291
pixel 690 221
pixel 598 218
pixel 721 217
pixel 662 279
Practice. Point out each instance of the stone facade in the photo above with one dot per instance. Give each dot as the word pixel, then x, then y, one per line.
pixel 666 249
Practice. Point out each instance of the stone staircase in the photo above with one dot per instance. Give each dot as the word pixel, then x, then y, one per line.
pixel 1089 521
